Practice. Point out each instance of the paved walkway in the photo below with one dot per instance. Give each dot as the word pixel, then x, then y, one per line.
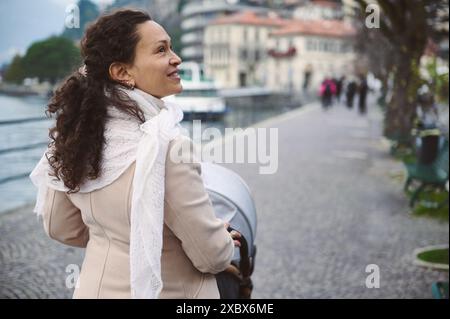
pixel 334 206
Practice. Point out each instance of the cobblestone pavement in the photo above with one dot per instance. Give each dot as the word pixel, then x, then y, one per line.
pixel 334 206
pixel 31 264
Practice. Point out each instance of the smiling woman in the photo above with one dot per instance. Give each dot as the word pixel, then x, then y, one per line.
pixel 155 66
pixel 154 69
pixel 106 181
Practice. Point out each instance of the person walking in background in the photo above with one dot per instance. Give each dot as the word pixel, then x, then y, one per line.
pixel 362 92
pixel 350 93
pixel 327 91
pixel 339 87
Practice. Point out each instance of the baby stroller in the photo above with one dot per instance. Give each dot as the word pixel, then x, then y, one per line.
pixel 233 203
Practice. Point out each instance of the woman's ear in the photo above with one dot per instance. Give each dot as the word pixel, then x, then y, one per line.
pixel 119 73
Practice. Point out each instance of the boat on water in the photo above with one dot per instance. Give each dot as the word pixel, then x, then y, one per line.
pixel 200 97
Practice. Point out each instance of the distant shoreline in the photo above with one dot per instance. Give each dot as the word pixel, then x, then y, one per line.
pixel 16 90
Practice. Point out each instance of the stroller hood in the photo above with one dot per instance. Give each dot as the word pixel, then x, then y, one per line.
pixel 231 199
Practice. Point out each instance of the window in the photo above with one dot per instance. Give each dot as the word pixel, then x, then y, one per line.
pixel 320 46
pixel 333 47
pixel 346 47
pixel 244 54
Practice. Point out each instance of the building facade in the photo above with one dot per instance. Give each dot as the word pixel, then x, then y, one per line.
pixel 250 49
pixel 236 49
pixel 196 15
pixel 304 53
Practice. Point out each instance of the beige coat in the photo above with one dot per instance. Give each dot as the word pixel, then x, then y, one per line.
pixel 196 245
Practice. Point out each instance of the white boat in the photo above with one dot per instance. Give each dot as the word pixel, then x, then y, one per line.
pixel 200 97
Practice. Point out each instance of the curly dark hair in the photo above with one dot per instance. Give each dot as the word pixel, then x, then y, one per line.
pixel 80 103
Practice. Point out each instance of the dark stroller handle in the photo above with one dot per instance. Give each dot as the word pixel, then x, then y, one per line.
pixel 246 266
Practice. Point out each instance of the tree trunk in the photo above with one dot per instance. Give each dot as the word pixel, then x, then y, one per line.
pixel 401 109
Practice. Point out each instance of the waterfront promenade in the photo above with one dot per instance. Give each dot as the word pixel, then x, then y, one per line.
pixel 335 206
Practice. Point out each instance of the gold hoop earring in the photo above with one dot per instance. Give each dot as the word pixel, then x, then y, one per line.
pixel 130 85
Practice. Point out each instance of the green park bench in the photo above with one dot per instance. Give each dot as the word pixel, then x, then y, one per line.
pixel 434 174
pixel 439 290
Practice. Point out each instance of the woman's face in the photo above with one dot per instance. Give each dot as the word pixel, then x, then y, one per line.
pixel 155 65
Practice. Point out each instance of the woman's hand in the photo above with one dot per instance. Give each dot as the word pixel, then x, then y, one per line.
pixel 235 235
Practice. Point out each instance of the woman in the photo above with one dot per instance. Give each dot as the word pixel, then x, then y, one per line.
pixel 109 182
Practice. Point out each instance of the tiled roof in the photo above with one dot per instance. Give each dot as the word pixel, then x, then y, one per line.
pixel 325 3
pixel 331 28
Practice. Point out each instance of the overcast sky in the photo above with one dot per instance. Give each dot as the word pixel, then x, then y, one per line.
pixel 25 21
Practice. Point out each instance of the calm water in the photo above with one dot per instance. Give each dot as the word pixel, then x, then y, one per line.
pixel 16 188
pixel 19 190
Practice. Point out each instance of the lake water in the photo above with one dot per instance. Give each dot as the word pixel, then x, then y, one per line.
pixel 16 188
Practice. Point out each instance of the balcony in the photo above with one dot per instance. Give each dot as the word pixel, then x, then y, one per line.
pixel 194 23
pixel 192 53
pixel 192 37
pixel 290 52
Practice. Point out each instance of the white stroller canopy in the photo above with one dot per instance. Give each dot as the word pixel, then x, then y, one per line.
pixel 231 199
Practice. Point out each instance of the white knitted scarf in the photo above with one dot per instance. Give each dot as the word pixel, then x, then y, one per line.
pixel 147 144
